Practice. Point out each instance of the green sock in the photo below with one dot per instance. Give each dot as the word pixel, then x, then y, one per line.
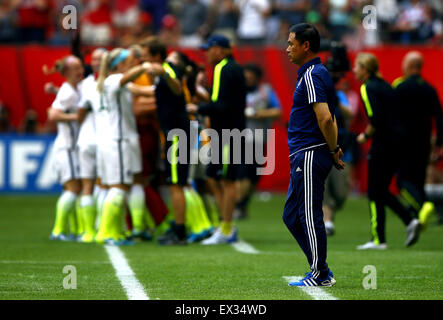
pixel 425 214
pixel 191 219
pixel 200 209
pixel 137 207
pixel 65 204
pixel 226 227
pixel 88 213
pixel 110 224
pixel 79 218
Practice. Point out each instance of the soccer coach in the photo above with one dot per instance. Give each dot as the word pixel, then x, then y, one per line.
pixel 313 150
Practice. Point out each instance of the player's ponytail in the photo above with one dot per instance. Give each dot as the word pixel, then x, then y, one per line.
pixel 59 66
pixel 370 63
pixel 107 64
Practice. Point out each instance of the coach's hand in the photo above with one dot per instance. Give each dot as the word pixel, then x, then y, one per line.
pixel 338 163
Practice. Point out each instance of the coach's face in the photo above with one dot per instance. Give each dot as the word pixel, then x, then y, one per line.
pixel 296 51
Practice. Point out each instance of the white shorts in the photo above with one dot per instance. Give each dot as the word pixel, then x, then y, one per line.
pixel 136 155
pixel 117 162
pixel 88 161
pixel 66 165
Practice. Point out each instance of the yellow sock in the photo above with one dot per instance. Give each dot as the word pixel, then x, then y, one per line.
pixel 201 211
pixel 226 227
pixel 191 218
pixel 425 214
pixel 111 222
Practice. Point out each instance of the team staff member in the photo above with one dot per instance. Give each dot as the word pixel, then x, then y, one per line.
pixel 412 91
pixel 313 149
pixel 172 114
pixel 226 111
pixel 388 145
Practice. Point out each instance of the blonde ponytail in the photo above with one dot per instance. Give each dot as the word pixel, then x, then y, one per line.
pixel 370 63
pixel 105 63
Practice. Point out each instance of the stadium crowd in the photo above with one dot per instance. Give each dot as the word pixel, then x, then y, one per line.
pixel 244 22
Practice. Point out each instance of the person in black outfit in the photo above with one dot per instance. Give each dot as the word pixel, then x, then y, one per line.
pixel 226 110
pixel 387 149
pixel 413 91
pixel 172 114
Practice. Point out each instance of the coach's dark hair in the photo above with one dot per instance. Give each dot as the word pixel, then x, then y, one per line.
pixel 155 46
pixel 307 32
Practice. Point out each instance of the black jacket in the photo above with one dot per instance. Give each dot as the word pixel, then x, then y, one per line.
pixel 419 105
pixel 227 109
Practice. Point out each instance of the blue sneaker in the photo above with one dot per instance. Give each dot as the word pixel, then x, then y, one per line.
pixel 119 242
pixel 61 237
pixel 309 281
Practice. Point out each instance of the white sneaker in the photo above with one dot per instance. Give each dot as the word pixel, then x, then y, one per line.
pixel 372 246
pixel 412 232
pixel 219 238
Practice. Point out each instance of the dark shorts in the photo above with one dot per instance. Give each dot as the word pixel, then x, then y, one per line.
pixel 176 172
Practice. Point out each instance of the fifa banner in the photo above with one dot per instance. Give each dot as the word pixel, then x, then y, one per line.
pixel 26 164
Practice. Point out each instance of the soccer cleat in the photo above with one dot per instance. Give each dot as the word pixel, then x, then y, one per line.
pixel 329 228
pixel 310 281
pixel 425 214
pixel 412 232
pixel 118 242
pixel 371 245
pixel 219 238
pixel 143 235
pixel 171 238
pixel 61 237
pixel 87 238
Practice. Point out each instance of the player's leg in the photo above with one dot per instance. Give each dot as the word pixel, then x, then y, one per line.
pixel 88 208
pixel 136 198
pixel 119 179
pixel 67 170
pixel 377 190
pixel 176 178
pixel 64 209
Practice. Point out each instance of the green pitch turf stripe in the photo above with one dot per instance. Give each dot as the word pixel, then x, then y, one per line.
pixel 244 247
pixel 133 288
pixel 316 293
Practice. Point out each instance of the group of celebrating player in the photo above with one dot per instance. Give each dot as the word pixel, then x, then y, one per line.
pixel 107 151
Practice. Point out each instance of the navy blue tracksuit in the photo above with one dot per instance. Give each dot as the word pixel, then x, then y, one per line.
pixel 311 163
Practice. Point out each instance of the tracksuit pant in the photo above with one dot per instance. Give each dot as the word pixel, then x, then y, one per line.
pixel 303 213
pixel 383 164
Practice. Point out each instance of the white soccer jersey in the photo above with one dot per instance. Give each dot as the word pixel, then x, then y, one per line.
pixel 67 100
pixel 89 98
pixel 115 118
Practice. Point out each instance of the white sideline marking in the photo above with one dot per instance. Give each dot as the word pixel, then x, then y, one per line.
pixel 134 290
pixel 51 262
pixel 315 292
pixel 244 247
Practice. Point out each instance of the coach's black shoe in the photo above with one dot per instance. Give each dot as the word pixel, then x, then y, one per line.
pixel 412 232
pixel 171 238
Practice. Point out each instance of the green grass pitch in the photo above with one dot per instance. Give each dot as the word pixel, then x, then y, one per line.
pixel 31 266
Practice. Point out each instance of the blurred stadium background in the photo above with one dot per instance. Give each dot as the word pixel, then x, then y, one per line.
pixel 31 35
